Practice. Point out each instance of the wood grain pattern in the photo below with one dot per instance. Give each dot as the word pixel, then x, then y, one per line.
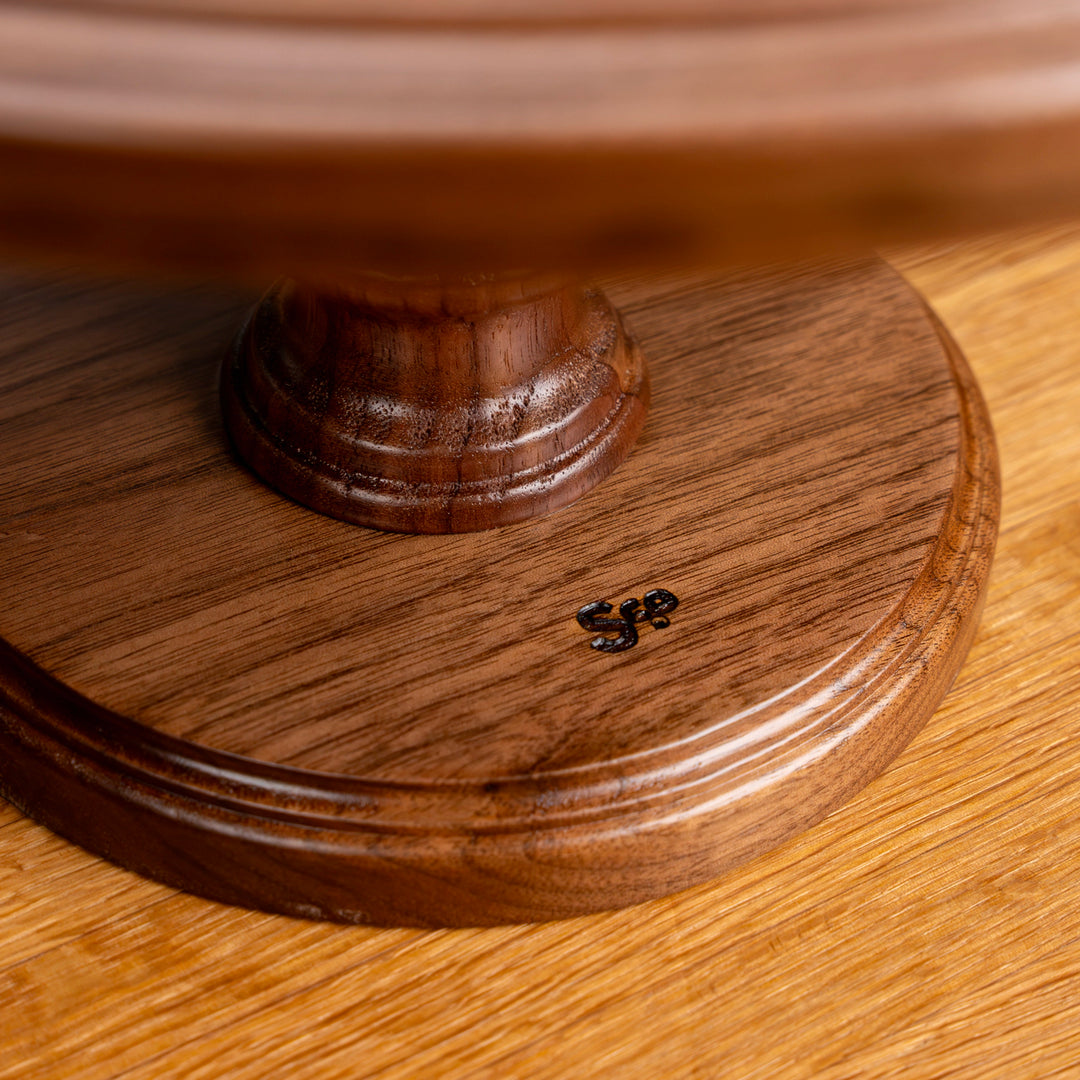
pixel 269 146
pixel 930 928
pixel 434 407
pixel 311 718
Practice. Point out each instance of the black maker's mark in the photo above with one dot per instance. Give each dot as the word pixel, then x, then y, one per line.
pixel 658 604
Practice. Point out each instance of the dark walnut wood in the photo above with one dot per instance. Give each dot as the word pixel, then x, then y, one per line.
pixel 211 685
pixel 261 137
pixel 434 408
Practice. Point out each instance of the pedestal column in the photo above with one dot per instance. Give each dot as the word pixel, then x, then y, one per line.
pixel 435 407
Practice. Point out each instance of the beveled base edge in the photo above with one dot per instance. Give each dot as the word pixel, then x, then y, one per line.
pixel 306 844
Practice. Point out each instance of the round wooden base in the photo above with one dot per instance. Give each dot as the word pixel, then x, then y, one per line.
pixel 216 687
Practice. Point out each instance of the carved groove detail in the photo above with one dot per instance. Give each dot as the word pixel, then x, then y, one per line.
pixel 402 413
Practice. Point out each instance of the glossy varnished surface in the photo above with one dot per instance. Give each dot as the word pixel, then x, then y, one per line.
pixel 928 928
pixel 469 634
pixel 814 488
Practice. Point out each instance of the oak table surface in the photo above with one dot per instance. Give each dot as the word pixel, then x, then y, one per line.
pixel 929 928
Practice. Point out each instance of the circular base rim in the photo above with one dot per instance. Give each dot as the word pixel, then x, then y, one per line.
pixel 250 833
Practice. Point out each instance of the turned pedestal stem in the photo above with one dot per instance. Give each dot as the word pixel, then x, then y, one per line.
pixel 420 407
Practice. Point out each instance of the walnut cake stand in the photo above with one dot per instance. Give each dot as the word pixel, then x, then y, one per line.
pixel 213 685
pixel 440 585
